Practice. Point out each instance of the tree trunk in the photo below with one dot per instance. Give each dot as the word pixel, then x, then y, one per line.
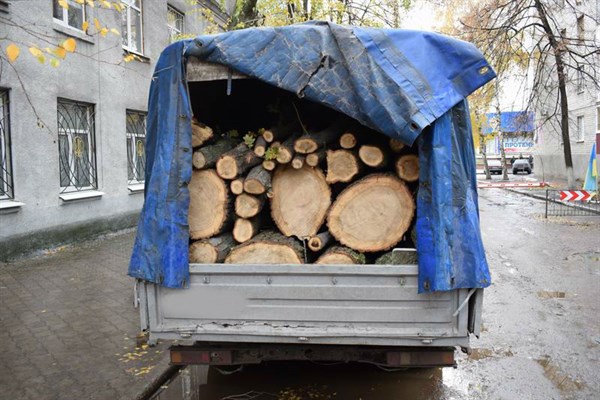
pixel 210 210
pixel 245 229
pixel 314 159
pixel 213 250
pixel 311 142
pixel 373 156
pixel 562 88
pixel 207 156
pixel 248 206
pixel 200 133
pixel 348 141
pixel 372 214
pixel 236 162
pixel 258 180
pixel 407 167
pixel 267 248
pixel 341 255
pixel 409 256
pixel 319 241
pixel 342 166
pixel 301 198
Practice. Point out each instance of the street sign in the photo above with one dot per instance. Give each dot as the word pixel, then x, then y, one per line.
pixel 575 195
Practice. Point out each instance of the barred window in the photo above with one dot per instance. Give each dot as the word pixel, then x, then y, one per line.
pixel 6 181
pixel 136 146
pixel 76 146
pixel 174 24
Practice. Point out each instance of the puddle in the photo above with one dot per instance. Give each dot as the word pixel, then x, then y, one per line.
pixel 545 294
pixel 562 381
pixel 482 353
pixel 585 256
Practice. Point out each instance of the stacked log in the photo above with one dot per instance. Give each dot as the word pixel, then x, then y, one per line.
pixel 289 196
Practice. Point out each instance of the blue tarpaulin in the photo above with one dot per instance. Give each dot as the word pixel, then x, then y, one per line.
pixel 408 85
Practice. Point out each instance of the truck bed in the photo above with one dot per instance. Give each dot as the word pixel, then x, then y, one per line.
pixel 308 304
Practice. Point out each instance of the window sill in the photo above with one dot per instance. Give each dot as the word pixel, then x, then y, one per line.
pixel 77 196
pixel 139 56
pixel 580 141
pixel 10 206
pixel 73 32
pixel 136 188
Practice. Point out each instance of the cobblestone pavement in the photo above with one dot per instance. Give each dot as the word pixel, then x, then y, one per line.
pixel 68 325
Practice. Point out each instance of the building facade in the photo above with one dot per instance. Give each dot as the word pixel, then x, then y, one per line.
pixel 584 102
pixel 72 135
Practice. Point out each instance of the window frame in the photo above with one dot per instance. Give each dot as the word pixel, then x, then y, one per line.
pixel 69 133
pixel 127 6
pixel 132 149
pixel 173 29
pixel 6 170
pixel 580 128
pixel 598 119
pixel 64 21
pixel 580 80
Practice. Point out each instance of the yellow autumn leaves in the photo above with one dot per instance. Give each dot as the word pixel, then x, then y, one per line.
pixel 102 3
pixel 59 52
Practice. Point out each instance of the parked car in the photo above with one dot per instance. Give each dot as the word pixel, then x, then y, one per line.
pixel 495 167
pixel 521 166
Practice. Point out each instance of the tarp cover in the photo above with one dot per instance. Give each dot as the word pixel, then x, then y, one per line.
pixel 405 84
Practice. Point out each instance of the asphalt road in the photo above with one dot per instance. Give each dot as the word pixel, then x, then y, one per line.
pixel 541 325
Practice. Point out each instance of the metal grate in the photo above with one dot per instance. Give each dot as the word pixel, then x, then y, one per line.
pixel 76 146
pixel 136 146
pixel 6 178
pixel 561 208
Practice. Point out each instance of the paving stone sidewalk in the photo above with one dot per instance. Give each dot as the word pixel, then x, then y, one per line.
pixel 68 326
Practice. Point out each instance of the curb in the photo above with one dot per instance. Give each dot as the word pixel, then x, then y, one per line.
pixel 534 195
pixel 543 198
pixel 152 386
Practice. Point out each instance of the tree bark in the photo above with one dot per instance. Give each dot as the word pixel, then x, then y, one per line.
pixel 258 180
pixel 245 229
pixel 301 198
pixel 260 146
pixel 200 133
pixel 248 206
pixel 342 166
pixel 311 142
pixel 267 248
pixel 372 214
pixel 236 162
pixel 277 133
pixel 319 241
pixel 213 250
pixel 407 167
pixel 210 210
pixel 341 255
pixel 285 151
pixel 373 156
pixel 398 258
pixel 207 156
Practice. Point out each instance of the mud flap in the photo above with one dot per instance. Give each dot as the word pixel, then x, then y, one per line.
pixel 475 310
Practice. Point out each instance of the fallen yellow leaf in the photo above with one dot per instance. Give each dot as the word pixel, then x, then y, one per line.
pixel 69 45
pixel 12 51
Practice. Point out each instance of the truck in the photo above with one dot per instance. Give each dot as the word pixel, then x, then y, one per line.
pixel 229 314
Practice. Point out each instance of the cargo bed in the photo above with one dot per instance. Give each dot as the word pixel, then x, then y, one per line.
pixel 309 304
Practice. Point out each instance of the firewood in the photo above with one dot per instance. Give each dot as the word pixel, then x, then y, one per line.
pixel 348 140
pixel 237 186
pixel 342 166
pixel 248 206
pixel 400 257
pixel 278 133
pixel 396 146
pixel 373 156
pixel 207 156
pixel 407 167
pixel 285 151
pixel 298 161
pixel 236 162
pixel 310 142
pixel 301 198
pixel 341 255
pixel 260 146
pixel 209 210
pixel 267 248
pixel 372 214
pixel 258 180
pixel 213 250
pixel 245 229
pixel 314 159
pixel 200 133
pixel 319 241
pixel 269 165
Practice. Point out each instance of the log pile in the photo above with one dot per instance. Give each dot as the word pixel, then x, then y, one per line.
pixel 340 194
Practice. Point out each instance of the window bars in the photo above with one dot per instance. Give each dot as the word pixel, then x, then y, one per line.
pixel 76 146
pixel 6 179
pixel 175 20
pixel 136 146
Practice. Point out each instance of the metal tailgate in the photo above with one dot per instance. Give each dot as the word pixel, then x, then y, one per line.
pixel 319 304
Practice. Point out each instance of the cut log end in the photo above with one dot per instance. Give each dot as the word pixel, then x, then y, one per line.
pixel 227 167
pixel 258 180
pixel 314 159
pixel 245 229
pixel 305 145
pixel 320 241
pixel 342 166
pixel 248 206
pixel 298 162
pixel 284 155
pixel 347 141
pixel 200 133
pixel 237 186
pixel 396 145
pixel 260 147
pixel 269 165
pixel 267 248
pixel 213 250
pixel 341 255
pixel 373 156
pixel 198 160
pixel 209 210
pixel 407 168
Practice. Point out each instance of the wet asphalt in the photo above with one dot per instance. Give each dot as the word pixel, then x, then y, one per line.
pixel 541 325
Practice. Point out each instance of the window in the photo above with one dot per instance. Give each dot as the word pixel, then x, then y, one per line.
pixel 131 26
pixel 580 28
pixel 76 146
pixel 174 24
pixel 73 16
pixel 580 80
pixel 6 182
pixel 136 146
pixel 580 129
